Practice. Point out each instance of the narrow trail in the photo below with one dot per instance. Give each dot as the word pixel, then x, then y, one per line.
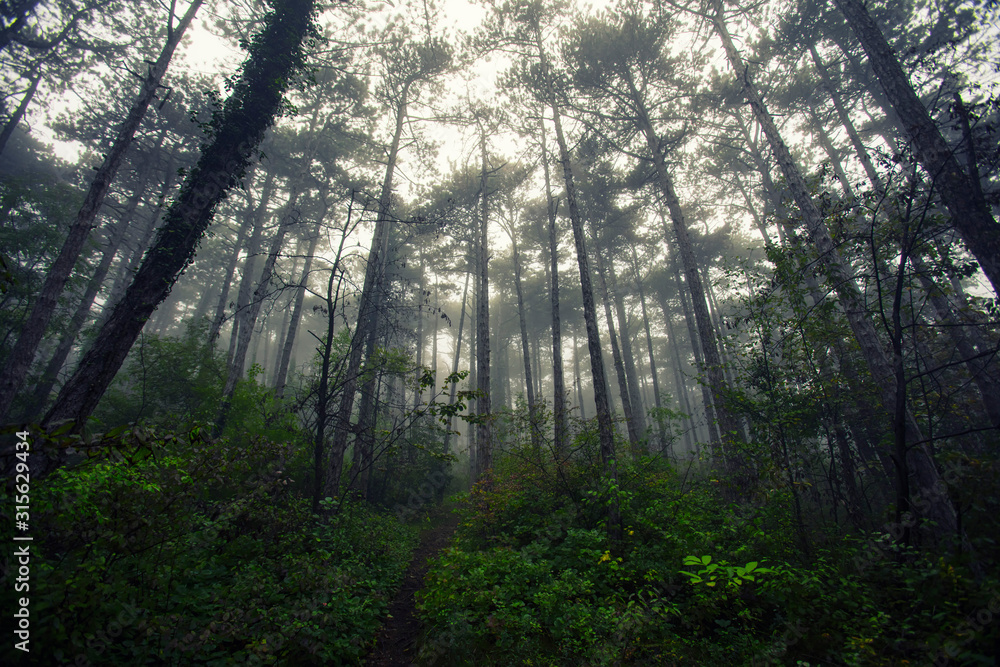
pixel 396 641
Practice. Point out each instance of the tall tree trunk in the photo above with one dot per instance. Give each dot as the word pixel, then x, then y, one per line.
pixel 706 392
pixel 635 397
pixel 369 312
pixel 558 382
pixel 605 428
pixel 230 272
pixel 243 298
pixel 289 218
pixel 536 443
pixel 578 382
pixel 970 212
pixel 616 355
pixel 454 366
pixel 34 327
pixel 649 343
pixel 831 152
pixel 142 241
pixel 938 506
pixel 691 431
pixel 115 236
pixel 293 324
pixel 484 444
pixel 728 426
pixel 845 118
pixel 275 56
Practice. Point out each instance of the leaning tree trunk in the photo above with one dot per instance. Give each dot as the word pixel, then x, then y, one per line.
pixel 845 118
pixel 34 327
pixel 920 458
pixel 728 427
pixel 276 56
pixel 115 235
pixel 22 107
pixel 970 212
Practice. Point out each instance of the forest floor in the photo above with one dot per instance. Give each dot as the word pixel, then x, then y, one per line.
pixel 396 641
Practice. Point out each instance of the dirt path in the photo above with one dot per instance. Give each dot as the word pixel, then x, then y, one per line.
pixel 396 642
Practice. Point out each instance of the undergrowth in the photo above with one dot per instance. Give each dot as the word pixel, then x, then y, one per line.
pixel 532 579
pixel 194 550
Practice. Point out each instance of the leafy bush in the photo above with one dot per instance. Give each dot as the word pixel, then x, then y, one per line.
pixel 192 550
pixel 533 579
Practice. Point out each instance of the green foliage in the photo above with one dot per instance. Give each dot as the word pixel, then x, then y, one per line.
pixel 533 579
pixel 191 550
pixel 167 378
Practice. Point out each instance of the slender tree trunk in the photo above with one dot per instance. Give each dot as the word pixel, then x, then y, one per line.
pixel 729 428
pixel 649 343
pixel 115 236
pixel 558 381
pixel 369 313
pixel 243 297
pixel 260 295
pixel 142 241
pixel 34 327
pixel 831 152
pixel 454 366
pixel 616 355
pixel 706 393
pixel 631 375
pixel 484 454
pixel 969 345
pixel 845 118
pixel 536 444
pixel 293 324
pixel 275 56
pixel 230 271
pixel 605 428
pixel 691 431
pixel 579 382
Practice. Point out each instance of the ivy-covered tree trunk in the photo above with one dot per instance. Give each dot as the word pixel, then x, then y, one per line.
pixel 276 56
pixel 34 327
